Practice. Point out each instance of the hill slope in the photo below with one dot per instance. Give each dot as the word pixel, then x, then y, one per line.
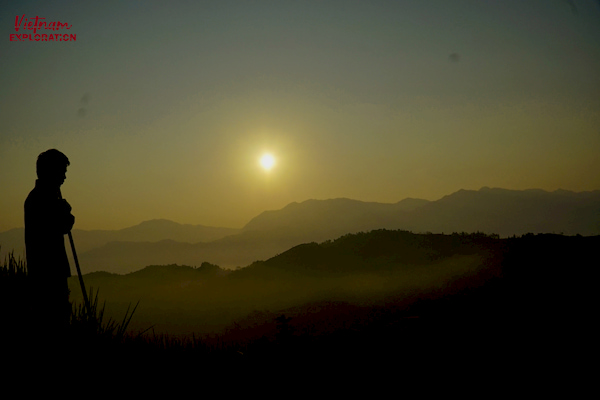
pixel 460 278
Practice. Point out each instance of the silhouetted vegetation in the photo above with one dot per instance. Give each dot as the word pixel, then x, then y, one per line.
pixel 22 333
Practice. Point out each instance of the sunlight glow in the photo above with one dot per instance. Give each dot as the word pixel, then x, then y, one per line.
pixel 267 161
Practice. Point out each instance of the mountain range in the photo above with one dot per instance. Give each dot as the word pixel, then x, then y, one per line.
pixel 488 210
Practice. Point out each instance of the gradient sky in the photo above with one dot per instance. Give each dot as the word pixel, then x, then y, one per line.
pixel 164 108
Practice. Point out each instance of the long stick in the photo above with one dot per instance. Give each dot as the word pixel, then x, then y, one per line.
pixel 85 297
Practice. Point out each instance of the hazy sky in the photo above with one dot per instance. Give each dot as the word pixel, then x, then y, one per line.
pixel 165 107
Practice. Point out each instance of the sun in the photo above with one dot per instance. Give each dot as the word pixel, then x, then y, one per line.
pixel 267 161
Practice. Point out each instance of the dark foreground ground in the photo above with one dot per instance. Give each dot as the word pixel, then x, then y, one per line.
pixel 528 311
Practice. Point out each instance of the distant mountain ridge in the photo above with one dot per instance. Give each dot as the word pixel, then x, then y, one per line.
pixel 148 231
pixel 156 230
pixel 511 212
pixel 501 211
pixel 488 210
pixel 338 214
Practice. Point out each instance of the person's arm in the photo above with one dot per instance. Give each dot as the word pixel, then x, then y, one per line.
pixel 65 220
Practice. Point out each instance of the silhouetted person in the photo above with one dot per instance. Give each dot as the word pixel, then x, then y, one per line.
pixel 47 219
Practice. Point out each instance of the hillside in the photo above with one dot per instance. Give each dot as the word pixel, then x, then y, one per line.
pixel 471 276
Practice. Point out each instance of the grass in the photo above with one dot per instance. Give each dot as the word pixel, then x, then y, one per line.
pixel 21 329
pixel 93 323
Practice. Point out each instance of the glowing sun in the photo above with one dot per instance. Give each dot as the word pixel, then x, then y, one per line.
pixel 267 161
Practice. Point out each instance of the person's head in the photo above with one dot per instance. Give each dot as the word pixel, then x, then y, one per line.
pixel 51 167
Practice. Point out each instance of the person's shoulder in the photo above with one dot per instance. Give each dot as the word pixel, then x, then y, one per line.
pixel 35 192
pixel 31 196
pixel 35 197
